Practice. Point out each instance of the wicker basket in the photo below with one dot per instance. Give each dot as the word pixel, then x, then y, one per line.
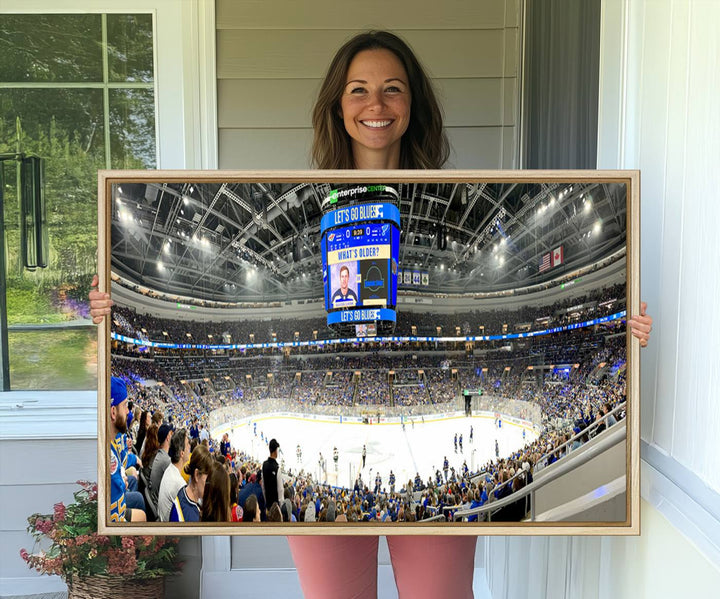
pixel 116 587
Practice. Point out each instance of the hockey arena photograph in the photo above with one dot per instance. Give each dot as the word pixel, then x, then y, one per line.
pixel 359 300
pixel 393 355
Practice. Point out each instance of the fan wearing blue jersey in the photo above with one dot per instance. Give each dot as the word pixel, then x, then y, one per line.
pixel 120 458
pixel 186 505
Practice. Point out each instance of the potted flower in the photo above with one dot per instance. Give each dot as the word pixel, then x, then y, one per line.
pixel 93 565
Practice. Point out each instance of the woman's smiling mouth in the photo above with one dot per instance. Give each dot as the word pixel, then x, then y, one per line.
pixel 376 124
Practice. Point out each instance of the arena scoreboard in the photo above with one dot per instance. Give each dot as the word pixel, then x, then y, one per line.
pixel 360 240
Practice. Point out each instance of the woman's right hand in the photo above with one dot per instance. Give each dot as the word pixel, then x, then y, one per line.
pixel 100 303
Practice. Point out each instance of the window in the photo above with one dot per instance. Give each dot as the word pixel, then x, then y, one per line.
pixel 78 90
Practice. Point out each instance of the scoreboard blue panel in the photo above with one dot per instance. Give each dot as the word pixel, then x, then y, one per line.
pixel 360 246
pixel 362 315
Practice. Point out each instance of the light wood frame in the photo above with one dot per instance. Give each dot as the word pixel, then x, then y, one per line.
pixel 631 526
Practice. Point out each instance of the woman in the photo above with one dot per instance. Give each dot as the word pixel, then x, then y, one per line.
pixel 364 121
pixel 186 506
pixel 216 496
pixel 145 421
pixel 150 450
pixel 377 110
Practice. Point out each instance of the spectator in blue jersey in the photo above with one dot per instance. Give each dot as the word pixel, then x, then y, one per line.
pixel 605 411
pixel 186 506
pixel 225 445
pixel 194 431
pixel 479 497
pixel 120 458
pixel 344 296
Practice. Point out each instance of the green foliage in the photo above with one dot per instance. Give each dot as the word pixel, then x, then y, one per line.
pixel 27 303
pixel 51 47
pixel 71 198
pixel 53 359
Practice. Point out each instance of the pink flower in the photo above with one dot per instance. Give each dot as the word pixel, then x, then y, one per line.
pixel 24 555
pixel 128 543
pixel 43 526
pixel 53 565
pixel 121 561
pixel 59 512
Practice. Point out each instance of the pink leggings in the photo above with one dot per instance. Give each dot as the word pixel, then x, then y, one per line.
pixel 425 567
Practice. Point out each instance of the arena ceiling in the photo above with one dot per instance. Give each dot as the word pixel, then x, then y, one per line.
pixel 250 242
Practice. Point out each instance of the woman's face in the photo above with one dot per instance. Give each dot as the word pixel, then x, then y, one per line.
pixel 375 103
pixel 200 480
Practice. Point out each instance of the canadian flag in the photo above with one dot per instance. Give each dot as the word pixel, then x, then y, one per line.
pixel 557 256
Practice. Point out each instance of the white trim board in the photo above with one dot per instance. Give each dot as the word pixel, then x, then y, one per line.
pixel 677 493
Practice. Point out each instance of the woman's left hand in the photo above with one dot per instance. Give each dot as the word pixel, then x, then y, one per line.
pixel 641 325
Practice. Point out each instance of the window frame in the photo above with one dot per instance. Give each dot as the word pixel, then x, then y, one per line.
pixel 183 80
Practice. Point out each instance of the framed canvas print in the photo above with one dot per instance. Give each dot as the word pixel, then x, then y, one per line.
pixel 344 352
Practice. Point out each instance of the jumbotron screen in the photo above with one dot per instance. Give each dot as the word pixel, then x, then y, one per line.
pixel 360 244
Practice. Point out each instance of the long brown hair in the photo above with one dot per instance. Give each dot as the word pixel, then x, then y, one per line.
pixel 200 459
pixel 151 446
pixel 216 497
pixel 424 144
pixel 142 430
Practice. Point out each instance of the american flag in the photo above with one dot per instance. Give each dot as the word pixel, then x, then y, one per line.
pixel 545 262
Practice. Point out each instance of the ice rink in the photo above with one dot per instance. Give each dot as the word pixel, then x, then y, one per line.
pixel 420 447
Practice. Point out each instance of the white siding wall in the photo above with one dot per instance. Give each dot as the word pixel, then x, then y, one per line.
pixel 271 58
pixel 660 81
pixel 672 133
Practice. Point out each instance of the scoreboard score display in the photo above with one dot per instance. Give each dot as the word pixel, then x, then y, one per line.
pixel 360 239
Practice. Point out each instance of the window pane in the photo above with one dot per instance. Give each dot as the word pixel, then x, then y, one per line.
pixel 130 47
pixel 132 128
pixel 65 127
pixel 53 359
pixel 49 117
pixel 52 345
pixel 38 48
